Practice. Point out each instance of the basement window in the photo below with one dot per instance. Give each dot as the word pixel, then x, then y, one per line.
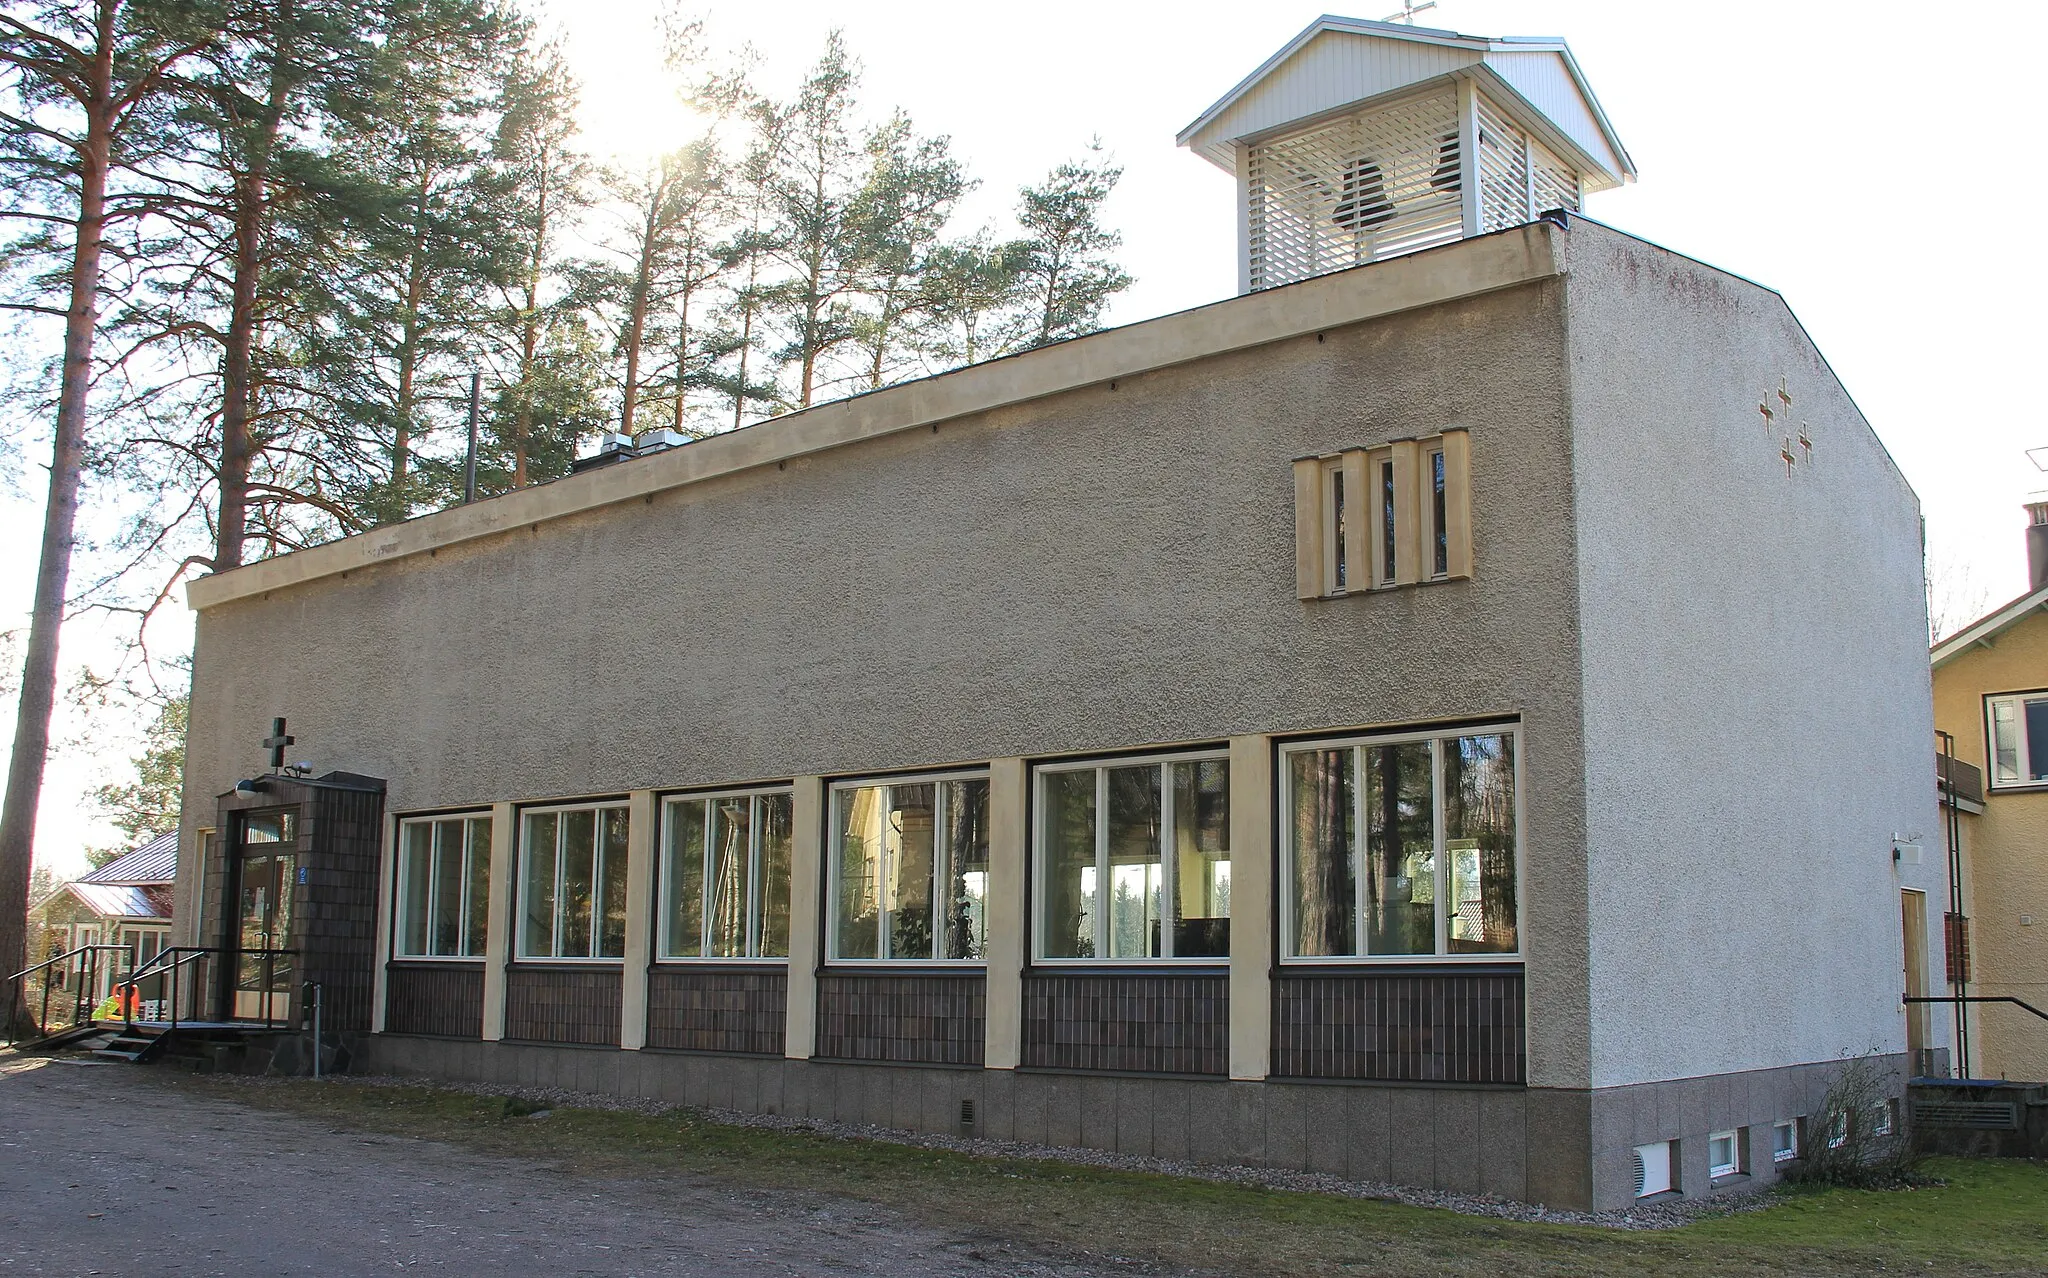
pixel 572 882
pixel 444 886
pixel 2018 729
pixel 1785 1141
pixel 725 866
pixel 1724 1154
pixel 909 869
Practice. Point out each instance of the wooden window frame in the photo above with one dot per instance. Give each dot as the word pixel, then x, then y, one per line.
pixel 2023 758
pixel 756 797
pixel 834 870
pixel 1163 763
pixel 1435 737
pixel 521 954
pixel 473 857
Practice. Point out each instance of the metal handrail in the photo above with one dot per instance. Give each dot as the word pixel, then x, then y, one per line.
pixel 157 967
pixel 1977 998
pixel 184 954
pixel 88 978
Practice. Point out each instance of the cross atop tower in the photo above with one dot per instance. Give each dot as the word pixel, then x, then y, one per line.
pixel 276 742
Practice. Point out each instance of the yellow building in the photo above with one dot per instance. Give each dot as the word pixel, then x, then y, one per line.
pixel 1991 702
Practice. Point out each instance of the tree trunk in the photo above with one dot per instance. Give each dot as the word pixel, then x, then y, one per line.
pixel 636 311
pixel 60 517
pixel 236 358
pixel 251 199
pixel 529 333
pixel 682 355
pixel 409 357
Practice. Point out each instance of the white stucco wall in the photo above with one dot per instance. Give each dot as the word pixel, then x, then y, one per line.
pixel 1758 721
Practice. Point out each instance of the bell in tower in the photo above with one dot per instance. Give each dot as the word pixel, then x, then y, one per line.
pixel 1364 140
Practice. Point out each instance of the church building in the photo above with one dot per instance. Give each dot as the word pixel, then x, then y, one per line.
pixel 1444 716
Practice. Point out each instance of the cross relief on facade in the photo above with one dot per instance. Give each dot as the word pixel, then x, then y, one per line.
pixel 1795 444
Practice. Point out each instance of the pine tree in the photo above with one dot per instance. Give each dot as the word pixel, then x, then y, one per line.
pixel 540 188
pixel 85 87
pixel 913 185
pixel 753 248
pixel 969 294
pixel 660 257
pixel 820 241
pixel 413 284
pixel 1066 270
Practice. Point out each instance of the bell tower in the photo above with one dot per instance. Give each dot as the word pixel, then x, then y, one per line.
pixel 1362 140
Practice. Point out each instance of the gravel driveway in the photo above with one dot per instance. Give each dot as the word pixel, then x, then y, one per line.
pixel 103 1173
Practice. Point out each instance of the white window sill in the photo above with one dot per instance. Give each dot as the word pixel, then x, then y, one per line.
pixel 1086 964
pixel 1393 960
pixel 907 965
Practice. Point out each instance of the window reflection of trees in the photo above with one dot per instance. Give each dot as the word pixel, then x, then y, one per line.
pixel 1399 846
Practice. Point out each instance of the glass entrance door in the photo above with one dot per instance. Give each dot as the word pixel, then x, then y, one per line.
pixel 264 966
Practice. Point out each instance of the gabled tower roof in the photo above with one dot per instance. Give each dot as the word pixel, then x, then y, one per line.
pixel 1337 64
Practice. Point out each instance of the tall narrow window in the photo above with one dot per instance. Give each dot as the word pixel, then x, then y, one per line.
pixel 909 869
pixel 725 875
pixel 444 875
pixel 1390 537
pixel 1133 859
pixel 1403 845
pixel 1337 517
pixel 1439 526
pixel 572 882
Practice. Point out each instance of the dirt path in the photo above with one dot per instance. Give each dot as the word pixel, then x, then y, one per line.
pixel 102 1173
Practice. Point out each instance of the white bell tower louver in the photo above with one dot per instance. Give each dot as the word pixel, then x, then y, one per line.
pixel 1363 140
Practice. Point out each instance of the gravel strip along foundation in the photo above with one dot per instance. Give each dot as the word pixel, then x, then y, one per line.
pixel 1668 1214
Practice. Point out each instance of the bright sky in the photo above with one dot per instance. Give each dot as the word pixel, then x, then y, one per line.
pixel 1802 144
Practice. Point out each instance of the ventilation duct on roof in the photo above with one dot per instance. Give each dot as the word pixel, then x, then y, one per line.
pixel 654 441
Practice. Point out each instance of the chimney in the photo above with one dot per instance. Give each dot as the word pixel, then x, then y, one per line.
pixel 2037 541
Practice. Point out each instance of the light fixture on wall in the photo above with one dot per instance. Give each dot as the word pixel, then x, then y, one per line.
pixel 1906 849
pixel 249 785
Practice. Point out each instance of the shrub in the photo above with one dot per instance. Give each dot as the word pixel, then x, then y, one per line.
pixel 1858 1139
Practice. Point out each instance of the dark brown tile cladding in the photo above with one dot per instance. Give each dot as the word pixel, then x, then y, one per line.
pixel 712 1010
pixel 334 897
pixel 937 1018
pixel 564 1005
pixel 1439 1027
pixel 1169 1023
pixel 341 838
pixel 440 998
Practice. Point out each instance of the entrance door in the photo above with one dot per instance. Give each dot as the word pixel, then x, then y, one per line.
pixel 1913 918
pixel 266 871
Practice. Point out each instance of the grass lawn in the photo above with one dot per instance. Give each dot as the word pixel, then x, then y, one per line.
pixel 1989 1218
